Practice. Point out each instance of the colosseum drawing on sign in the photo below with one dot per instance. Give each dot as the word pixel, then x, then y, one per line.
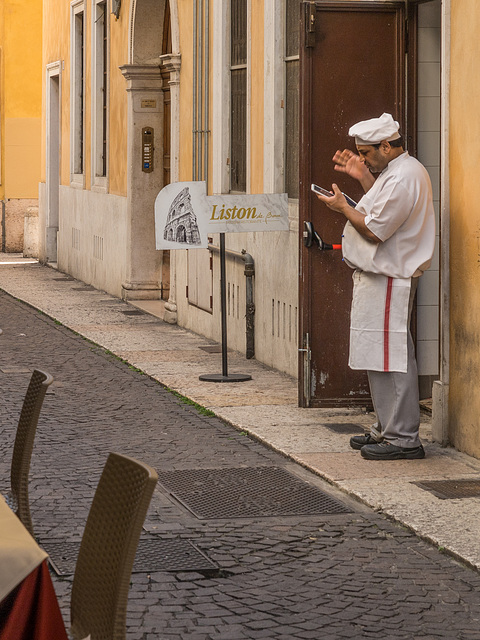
pixel 181 224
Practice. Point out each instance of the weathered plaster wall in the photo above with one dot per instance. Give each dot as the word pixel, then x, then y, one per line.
pixel 56 37
pixel 20 110
pixel 92 225
pixel 256 98
pixel 57 47
pixel 464 423
pixel 275 253
pixel 119 39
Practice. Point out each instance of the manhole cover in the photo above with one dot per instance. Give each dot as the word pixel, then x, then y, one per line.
pixel 64 279
pixel 153 555
pixel 451 489
pixel 15 370
pixel 344 427
pixel 217 348
pixel 85 287
pixel 133 312
pixel 247 493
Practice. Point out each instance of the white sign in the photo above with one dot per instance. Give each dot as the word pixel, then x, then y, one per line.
pixel 185 215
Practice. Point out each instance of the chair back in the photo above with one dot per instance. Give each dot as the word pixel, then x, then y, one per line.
pixel 23 447
pixel 108 548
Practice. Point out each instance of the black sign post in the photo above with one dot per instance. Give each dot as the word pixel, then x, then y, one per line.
pixel 224 376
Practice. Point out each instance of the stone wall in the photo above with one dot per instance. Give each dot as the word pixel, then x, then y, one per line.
pixel 12 224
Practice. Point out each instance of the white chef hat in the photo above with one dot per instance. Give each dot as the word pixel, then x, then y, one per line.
pixel 368 132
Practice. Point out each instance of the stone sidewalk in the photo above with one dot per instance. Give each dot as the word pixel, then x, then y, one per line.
pixel 264 407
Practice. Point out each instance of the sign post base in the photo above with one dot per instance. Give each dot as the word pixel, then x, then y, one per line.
pixel 219 377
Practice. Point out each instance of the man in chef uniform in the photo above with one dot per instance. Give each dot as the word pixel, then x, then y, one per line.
pixel 388 240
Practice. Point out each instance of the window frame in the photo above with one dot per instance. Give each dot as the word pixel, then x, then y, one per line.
pixel 221 99
pixel 77 94
pixel 235 68
pixel 100 82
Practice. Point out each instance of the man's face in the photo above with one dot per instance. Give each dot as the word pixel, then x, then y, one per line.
pixel 375 159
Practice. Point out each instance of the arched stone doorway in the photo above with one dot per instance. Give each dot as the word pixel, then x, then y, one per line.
pixel 151 71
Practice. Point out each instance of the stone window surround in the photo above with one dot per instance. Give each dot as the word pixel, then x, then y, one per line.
pixel 99 182
pixel 77 179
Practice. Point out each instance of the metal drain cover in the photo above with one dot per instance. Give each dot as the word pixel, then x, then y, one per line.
pixel 217 348
pixel 133 312
pixel 6 369
pixel 247 493
pixel 152 555
pixel 344 427
pixel 451 489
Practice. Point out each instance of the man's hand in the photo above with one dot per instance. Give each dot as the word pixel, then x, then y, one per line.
pixel 337 202
pixel 350 163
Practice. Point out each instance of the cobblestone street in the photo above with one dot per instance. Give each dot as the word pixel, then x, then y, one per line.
pixel 308 574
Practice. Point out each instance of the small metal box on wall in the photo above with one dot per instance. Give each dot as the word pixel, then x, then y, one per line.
pixel 147 149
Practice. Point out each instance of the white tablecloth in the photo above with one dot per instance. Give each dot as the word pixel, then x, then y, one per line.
pixel 19 553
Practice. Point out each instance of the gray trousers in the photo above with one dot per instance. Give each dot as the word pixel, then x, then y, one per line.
pixel 395 396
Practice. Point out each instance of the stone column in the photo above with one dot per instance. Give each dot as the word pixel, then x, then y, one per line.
pixel 171 61
pixel 145 109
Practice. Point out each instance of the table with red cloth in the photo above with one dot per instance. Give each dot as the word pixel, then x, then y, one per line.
pixel 28 604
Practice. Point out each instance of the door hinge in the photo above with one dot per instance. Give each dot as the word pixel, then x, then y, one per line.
pixel 310 18
pixel 307 369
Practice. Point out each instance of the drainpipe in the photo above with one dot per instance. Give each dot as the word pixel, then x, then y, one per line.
pixel 249 272
pixel 194 97
pixel 207 92
pixel 3 227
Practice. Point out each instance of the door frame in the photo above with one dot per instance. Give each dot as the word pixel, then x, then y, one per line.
pixel 307 37
pixel 52 158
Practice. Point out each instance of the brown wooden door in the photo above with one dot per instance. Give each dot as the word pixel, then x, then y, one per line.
pixel 352 68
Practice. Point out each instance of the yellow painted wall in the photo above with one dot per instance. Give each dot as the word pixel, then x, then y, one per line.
pixel 21 97
pixel 119 33
pixel 57 48
pixel 185 20
pixel 257 57
pixel 464 406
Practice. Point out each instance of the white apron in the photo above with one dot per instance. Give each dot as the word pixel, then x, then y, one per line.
pixel 378 322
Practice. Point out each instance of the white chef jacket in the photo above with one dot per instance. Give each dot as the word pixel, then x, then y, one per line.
pixel 399 210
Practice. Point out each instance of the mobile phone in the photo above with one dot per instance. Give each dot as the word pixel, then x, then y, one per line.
pixel 321 190
pixel 316 189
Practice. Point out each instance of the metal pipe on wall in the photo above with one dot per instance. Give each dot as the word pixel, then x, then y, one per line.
pixel 4 227
pixel 201 89
pixel 194 97
pixel 207 86
pixel 200 133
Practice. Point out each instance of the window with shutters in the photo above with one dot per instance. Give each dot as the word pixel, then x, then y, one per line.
pixel 77 93
pixel 238 95
pixel 99 92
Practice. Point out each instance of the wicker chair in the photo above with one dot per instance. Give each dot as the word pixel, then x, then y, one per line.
pixel 108 548
pixel 17 497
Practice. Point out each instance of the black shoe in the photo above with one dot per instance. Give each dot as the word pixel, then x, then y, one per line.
pixel 387 451
pixel 357 442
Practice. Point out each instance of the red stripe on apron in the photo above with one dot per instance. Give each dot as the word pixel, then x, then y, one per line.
pixel 386 325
